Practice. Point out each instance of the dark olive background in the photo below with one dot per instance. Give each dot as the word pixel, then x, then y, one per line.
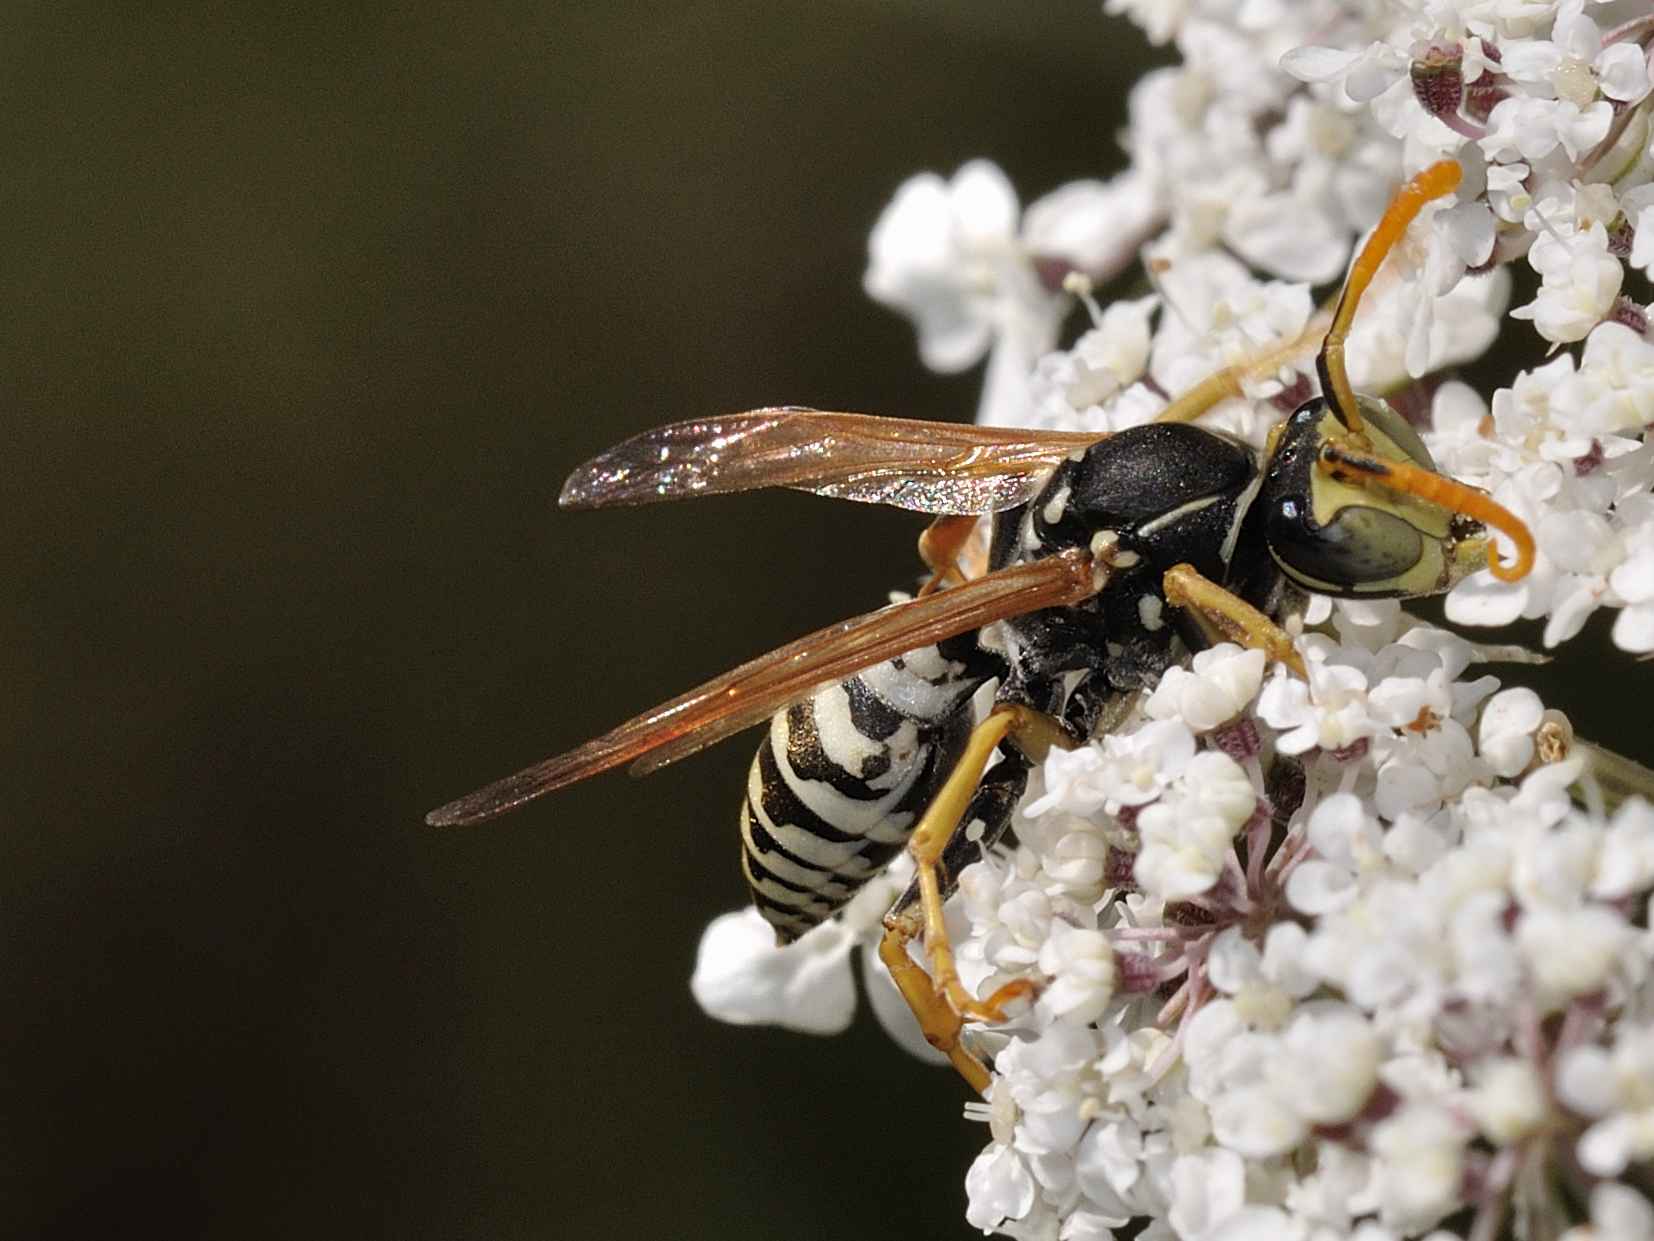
pixel 307 314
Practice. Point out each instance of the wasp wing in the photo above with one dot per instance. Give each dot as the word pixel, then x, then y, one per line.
pixel 756 690
pixel 929 467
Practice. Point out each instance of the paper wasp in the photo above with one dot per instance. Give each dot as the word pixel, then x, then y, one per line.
pixel 1110 557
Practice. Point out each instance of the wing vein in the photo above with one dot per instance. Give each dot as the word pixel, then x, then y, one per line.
pixel 755 690
pixel 930 467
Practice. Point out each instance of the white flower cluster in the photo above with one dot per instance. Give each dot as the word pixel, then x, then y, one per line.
pixel 1256 164
pixel 1335 958
pixel 1338 957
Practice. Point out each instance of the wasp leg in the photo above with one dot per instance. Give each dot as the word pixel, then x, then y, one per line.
pixel 991 808
pixel 1230 383
pixel 941 1025
pixel 939 548
pixel 1224 615
pixel 939 1000
pixel 1223 385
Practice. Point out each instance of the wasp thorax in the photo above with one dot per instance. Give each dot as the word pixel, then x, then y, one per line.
pixel 1331 523
pixel 1168 490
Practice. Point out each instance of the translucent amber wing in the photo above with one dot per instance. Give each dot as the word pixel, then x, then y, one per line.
pixel 756 690
pixel 929 467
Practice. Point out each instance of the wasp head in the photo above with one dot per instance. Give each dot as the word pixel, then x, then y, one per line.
pixel 1366 514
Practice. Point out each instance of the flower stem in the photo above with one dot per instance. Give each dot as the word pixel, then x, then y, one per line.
pixel 1618 777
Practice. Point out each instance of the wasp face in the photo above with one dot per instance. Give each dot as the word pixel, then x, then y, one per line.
pixel 1347 534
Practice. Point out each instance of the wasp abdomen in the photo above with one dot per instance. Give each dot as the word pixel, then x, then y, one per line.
pixel 840 779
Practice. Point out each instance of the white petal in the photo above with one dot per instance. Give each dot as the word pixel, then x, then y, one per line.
pixel 1505 734
pixel 1380 69
pixel 1634 629
pixel 1402 786
pixel 998 1188
pixel 1258 1223
pixel 1095 225
pixel 1286 237
pixel 1233 961
pixel 1622 70
pixel 1320 888
pixel 1330 1067
pixel 1572 953
pixel 1318 64
pixel 1625 864
pixel 1482 599
pixel 1206 1189
pixel 984 201
pixel 1605 1148
pixel 1469 229
pixel 1339 829
pixel 1620 1213
pixel 742 977
pixel 1255 1123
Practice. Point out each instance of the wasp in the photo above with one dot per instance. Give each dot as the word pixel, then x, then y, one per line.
pixel 1110 557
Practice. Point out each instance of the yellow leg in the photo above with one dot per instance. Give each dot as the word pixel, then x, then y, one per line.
pixel 936 1018
pixel 1226 384
pixel 1227 616
pixel 1221 386
pixel 939 1000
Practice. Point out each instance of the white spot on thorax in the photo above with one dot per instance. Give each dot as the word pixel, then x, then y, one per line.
pixel 1149 609
pixel 1243 505
pixel 1056 506
pixel 1028 537
pixel 1176 514
pixel 994 638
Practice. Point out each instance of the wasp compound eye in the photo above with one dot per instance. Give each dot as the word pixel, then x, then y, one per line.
pixel 1361 550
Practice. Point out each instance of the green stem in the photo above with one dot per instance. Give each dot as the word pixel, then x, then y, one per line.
pixel 1618 777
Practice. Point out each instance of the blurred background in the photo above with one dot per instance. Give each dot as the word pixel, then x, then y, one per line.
pixel 309 310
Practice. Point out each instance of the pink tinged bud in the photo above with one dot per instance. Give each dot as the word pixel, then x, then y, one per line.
pixel 1481 97
pixel 1438 80
pixel 1353 752
pixel 1052 271
pixel 1621 235
pixel 1182 913
pixel 1139 972
pixel 1627 312
pixel 1238 739
pixel 1591 461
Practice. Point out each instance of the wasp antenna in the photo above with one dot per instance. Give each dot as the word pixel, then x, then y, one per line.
pixel 1440 178
pixel 1445 493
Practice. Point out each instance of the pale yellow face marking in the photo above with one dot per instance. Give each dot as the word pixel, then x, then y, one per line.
pixel 1330 496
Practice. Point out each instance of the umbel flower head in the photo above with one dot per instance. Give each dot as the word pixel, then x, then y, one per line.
pixel 1363 953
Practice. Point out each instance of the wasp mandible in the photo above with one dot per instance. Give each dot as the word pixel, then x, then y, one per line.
pixel 1110 558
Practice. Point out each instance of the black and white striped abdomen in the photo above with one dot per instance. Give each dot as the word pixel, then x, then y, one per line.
pixel 841 778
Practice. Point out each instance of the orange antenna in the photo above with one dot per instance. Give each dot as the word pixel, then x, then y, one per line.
pixel 1445 493
pixel 1440 178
